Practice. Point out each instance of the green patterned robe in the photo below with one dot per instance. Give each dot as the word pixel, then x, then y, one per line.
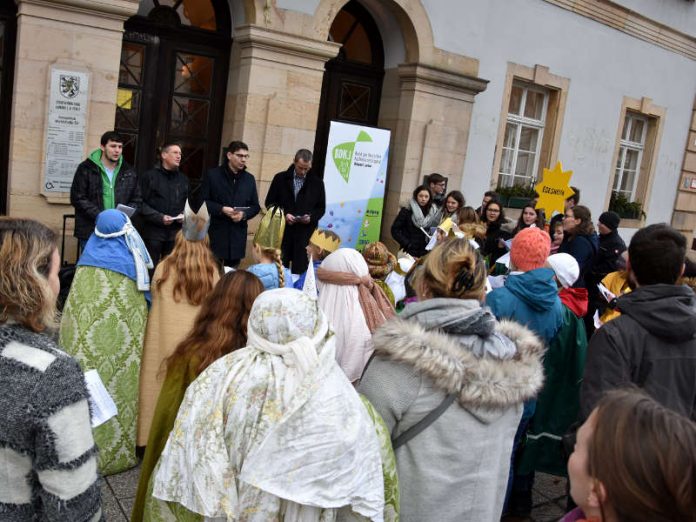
pixel 103 327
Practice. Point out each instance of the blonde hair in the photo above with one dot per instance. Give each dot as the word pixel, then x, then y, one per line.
pixel 275 256
pixel 26 249
pixel 453 269
pixel 193 267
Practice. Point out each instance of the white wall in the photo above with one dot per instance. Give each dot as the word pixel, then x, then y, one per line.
pixel 603 65
pixel 677 14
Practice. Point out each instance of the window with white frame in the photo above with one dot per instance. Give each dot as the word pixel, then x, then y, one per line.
pixel 630 155
pixel 524 132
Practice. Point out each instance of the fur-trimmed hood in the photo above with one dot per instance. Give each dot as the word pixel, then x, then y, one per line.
pixel 487 381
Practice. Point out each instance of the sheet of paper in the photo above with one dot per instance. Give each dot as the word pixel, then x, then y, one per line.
pixel 128 211
pixel 102 405
pixel 180 217
pixel 605 293
pixel 597 321
pixel 504 260
pixel 431 244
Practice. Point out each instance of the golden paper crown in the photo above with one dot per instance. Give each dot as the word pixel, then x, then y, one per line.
pixel 195 225
pixel 271 229
pixel 323 241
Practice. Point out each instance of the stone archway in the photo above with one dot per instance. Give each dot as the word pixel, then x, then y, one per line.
pixel 426 101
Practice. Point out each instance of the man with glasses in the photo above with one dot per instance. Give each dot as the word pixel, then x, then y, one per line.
pixel 230 193
pixel 164 190
pixel 438 184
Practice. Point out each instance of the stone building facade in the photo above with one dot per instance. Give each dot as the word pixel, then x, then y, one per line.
pixel 486 93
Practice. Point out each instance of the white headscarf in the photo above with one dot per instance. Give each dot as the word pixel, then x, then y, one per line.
pixel 275 420
pixel 341 304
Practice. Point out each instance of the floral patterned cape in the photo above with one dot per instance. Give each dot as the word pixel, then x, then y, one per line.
pixel 265 433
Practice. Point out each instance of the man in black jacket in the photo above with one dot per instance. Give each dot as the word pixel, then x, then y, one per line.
pixel 101 182
pixel 300 193
pixel 652 344
pixel 230 194
pixel 164 190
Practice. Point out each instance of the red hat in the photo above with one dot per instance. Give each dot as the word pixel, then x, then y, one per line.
pixel 530 249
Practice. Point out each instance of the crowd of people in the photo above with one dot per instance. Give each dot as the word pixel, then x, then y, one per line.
pixel 326 383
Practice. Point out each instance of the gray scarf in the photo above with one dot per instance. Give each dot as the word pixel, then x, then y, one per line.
pixel 464 319
pixel 431 220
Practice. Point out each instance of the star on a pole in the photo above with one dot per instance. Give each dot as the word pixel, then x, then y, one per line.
pixel 554 189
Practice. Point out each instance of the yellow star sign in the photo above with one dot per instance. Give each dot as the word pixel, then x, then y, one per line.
pixel 554 190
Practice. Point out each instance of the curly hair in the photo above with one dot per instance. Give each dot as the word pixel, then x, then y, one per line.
pixel 26 249
pixel 585 227
pixel 193 266
pixel 221 324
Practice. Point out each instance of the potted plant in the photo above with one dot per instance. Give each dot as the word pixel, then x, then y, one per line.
pixel 516 196
pixel 624 207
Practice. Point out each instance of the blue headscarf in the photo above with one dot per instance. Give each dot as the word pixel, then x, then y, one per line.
pixel 115 245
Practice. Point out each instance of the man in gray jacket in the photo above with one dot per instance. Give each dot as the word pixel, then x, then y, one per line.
pixel 652 344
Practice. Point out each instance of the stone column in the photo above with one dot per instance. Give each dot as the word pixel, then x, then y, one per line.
pixel 273 103
pixel 430 126
pixel 82 34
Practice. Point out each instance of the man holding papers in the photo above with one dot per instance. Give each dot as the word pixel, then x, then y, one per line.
pixel 164 189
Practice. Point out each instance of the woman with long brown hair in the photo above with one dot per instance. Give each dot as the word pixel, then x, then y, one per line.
pixel 180 284
pixel 219 328
pixel 579 239
pixel 634 459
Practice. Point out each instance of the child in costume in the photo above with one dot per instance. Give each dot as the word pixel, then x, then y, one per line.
pixel 267 255
pixel 321 244
pixel 103 327
pixel 180 284
pixel 380 263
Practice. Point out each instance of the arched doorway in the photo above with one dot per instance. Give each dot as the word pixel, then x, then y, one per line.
pixel 352 84
pixel 172 81
pixel 8 31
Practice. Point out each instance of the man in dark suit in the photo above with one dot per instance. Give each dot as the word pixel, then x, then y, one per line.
pixel 230 193
pixel 300 193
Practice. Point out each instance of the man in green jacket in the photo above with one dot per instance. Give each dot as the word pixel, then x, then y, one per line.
pixel 101 182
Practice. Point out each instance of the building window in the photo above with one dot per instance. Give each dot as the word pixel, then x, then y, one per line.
pixel 633 166
pixel 524 132
pixel 630 156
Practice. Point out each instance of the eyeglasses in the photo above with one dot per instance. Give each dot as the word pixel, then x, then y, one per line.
pixel 242 156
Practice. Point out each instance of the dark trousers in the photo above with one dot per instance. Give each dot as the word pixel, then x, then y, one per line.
pixel 232 263
pixel 295 241
pixel 158 249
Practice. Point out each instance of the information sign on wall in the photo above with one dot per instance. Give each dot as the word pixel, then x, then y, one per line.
pixel 65 134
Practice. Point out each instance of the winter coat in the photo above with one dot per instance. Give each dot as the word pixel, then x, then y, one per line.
pixel 48 456
pixel 583 248
pixel 311 199
pixel 164 192
pixel 268 274
pixel 608 258
pixel 87 191
pixel 457 468
pixel 411 239
pixel 491 247
pixel 558 401
pixel 652 345
pixel 575 299
pixel 530 298
pixel 220 188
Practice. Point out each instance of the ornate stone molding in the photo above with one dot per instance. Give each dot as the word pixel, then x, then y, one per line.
pixel 281 47
pixel 104 14
pixel 440 82
pixel 632 23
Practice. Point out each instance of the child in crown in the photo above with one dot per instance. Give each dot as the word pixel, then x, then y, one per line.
pixel 321 244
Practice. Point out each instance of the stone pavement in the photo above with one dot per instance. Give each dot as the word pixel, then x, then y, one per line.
pixel 118 493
